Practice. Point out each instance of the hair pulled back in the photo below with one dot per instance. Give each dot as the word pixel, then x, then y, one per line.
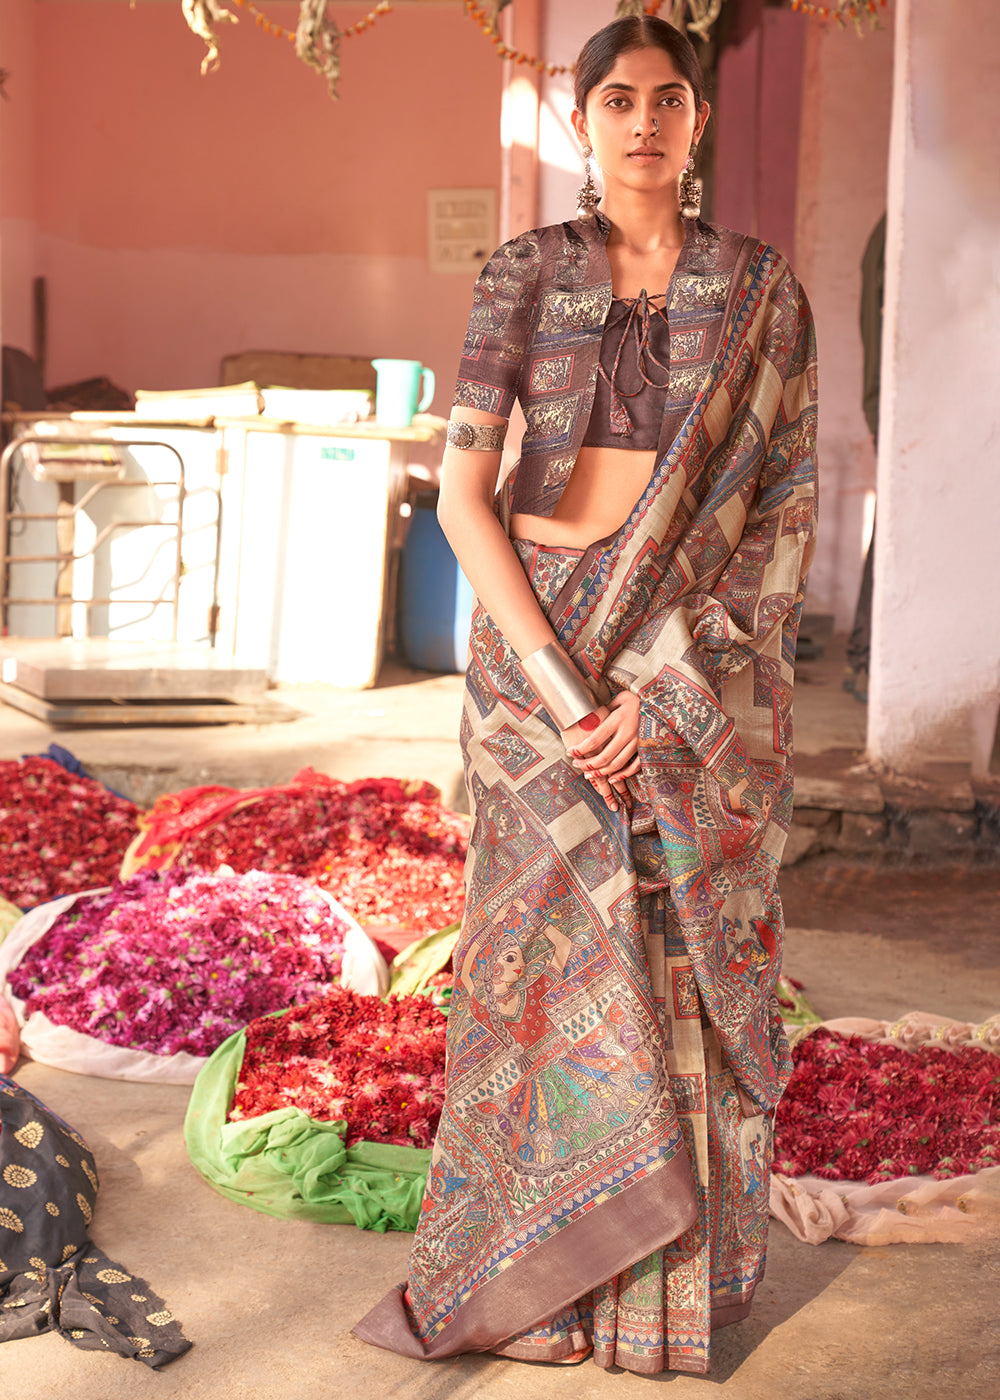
pixel 602 50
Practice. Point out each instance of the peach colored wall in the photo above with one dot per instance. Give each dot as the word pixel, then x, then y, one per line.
pixel 180 218
pixel 847 95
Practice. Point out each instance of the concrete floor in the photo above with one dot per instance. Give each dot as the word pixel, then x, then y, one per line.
pixel 407 726
pixel 269 1303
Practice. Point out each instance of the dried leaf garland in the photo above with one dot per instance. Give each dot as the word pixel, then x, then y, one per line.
pixel 200 16
pixel 317 41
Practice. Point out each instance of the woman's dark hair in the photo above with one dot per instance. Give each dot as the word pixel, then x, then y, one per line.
pixel 602 50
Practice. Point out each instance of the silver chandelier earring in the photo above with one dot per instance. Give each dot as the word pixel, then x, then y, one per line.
pixel 587 199
pixel 690 189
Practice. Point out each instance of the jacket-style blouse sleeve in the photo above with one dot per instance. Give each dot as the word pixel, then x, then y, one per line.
pixel 494 350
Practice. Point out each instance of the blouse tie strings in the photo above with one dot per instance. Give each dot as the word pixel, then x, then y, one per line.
pixel 637 326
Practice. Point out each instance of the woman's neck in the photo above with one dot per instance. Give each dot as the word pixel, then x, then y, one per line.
pixel 641 225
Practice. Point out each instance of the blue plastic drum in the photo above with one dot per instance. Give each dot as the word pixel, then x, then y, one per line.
pixel 435 605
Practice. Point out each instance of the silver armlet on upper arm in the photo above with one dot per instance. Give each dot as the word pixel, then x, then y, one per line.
pixel 477 437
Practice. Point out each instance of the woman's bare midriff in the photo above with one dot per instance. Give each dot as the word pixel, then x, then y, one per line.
pixel 599 497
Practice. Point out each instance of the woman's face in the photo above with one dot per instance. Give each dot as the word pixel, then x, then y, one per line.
pixel 642 90
pixel 509 966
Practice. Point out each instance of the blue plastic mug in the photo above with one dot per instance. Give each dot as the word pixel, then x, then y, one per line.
pixel 398 391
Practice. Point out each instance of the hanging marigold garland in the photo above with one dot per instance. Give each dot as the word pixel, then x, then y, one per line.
pixel 487 22
pixel 696 15
pixel 843 10
pixel 278 31
pixel 317 38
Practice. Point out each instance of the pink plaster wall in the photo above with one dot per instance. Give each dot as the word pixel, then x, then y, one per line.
pixel 17 171
pixel 936 642
pixel 757 130
pixel 180 218
pixel 847 96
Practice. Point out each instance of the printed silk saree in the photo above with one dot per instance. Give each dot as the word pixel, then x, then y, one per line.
pixel 601 1169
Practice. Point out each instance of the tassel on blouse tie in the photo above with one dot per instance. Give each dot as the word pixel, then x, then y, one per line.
pixel 637 323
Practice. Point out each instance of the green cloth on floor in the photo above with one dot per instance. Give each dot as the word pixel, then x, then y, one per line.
pixel 287 1164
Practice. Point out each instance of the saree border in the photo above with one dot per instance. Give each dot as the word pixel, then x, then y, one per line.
pixel 608 1240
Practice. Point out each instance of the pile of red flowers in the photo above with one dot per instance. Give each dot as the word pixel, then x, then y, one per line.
pixel 377 1064
pixel 855 1110
pixel 179 961
pixel 59 833
pixel 388 851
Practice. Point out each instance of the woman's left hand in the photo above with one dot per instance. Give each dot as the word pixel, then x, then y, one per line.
pixel 609 754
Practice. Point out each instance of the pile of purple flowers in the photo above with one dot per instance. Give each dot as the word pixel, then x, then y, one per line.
pixel 178 961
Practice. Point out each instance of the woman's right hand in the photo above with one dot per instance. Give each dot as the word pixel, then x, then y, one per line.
pixel 608 755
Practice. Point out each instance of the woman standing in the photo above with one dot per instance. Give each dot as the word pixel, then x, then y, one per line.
pixel 600 1177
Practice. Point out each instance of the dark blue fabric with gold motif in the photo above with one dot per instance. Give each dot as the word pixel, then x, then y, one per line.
pixel 52 1278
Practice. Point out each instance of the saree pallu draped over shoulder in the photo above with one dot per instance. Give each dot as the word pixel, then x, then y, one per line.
pixel 615 1048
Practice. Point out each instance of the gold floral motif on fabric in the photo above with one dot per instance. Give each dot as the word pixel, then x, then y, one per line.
pixel 19 1177
pixel 31 1134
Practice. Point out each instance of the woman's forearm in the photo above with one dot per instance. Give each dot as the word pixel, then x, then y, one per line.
pixel 489 563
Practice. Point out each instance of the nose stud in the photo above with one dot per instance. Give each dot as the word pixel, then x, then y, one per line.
pixel 656 127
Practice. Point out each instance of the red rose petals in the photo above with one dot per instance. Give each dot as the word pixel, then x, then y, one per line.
pixel 389 852
pixel 377 1064
pixel 59 833
pixel 855 1110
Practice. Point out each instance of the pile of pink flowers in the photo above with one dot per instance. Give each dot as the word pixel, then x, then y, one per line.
pixel 856 1110
pixel 379 1065
pixel 178 961
pixel 388 851
pixel 58 833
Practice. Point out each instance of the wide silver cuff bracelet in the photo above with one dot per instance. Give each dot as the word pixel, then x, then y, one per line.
pixel 558 685
pixel 477 437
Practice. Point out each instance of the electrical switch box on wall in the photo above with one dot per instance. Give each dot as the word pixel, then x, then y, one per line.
pixel 461 229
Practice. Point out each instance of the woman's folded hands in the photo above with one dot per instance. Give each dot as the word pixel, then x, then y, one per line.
pixel 608 755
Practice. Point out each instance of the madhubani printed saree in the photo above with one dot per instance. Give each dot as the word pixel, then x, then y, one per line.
pixel 601 1170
